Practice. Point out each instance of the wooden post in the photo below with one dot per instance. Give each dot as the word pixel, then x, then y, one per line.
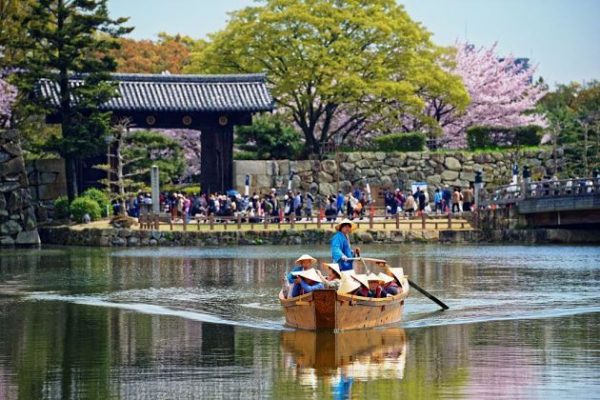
pixel 371 221
pixel 185 223
pixel 423 221
pixel 239 222
pixel 171 223
pixel 410 225
pixel 225 224
pixel 319 219
pixel 156 222
pixel 198 224
pixel 211 221
pixel 449 220
pixel 397 221
pixel 266 221
pixel 293 221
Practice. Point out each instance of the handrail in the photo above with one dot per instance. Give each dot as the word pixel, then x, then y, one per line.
pixel 512 194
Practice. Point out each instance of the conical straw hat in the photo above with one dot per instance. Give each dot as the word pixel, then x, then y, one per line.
pixel 385 278
pixel 334 267
pixel 348 285
pixel 305 257
pixel 372 277
pixel 398 273
pixel 309 274
pixel 362 278
pixel 345 221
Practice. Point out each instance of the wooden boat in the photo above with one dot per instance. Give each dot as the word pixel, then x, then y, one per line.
pixel 328 309
pixel 361 353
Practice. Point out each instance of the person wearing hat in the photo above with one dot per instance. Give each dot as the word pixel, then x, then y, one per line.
pixel 391 284
pixel 334 276
pixel 348 285
pixel 305 282
pixel 370 286
pixel 304 262
pixel 340 245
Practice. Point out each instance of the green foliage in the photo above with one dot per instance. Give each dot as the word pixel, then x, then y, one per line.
pixel 336 67
pixel 84 205
pixel 142 149
pixel 61 208
pixel 99 197
pixel 400 142
pixel 487 137
pixel 574 114
pixel 66 38
pixel 245 155
pixel 269 138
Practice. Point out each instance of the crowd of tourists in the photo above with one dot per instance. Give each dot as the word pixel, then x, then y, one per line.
pixel 340 274
pixel 295 205
pixel 445 200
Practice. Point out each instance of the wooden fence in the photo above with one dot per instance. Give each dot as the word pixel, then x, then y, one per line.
pixel 372 221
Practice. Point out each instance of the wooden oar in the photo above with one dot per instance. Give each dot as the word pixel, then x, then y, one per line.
pixel 429 295
pixel 413 284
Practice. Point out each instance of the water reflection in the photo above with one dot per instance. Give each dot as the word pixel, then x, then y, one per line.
pixel 341 358
pixel 88 323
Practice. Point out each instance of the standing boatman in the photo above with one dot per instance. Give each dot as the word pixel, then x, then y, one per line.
pixel 341 251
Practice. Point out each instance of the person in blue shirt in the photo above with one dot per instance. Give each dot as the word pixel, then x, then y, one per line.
pixel 304 262
pixel 340 246
pixel 305 282
pixel 339 202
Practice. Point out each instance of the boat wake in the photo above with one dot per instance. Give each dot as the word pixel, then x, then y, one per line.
pixel 153 309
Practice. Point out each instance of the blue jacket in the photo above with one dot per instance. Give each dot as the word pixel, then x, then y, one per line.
pixel 290 277
pixel 304 288
pixel 340 246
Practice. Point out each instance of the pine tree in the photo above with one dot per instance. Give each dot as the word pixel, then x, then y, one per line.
pixel 69 38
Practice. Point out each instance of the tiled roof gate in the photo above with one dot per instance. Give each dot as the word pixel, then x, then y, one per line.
pixel 213 104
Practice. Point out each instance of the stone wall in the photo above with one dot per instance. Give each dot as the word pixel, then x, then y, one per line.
pixel 47 182
pixel 453 168
pixel 136 238
pixel 18 223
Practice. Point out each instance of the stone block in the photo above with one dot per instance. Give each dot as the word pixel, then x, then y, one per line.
pixel 28 238
pixel 452 164
pixel 394 162
pixel 12 149
pixel 4 156
pixel 380 156
pixel 363 164
pixel 434 179
pixel 353 157
pixel 449 175
pixel 324 177
pixel 467 176
pixel 10 228
pixel 346 166
pixel 329 166
pixel 326 189
pixel 14 166
pixel 369 173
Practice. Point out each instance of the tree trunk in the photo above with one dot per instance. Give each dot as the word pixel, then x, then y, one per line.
pixel 71 172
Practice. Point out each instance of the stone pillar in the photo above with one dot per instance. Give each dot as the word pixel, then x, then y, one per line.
pixel 155 185
pixel 18 224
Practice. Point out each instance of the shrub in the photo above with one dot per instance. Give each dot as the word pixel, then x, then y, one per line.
pixel 99 197
pixel 484 137
pixel 61 208
pixel 400 142
pixel 84 205
pixel 245 155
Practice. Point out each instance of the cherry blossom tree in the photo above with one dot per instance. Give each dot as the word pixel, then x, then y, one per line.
pixel 8 96
pixel 189 140
pixel 502 91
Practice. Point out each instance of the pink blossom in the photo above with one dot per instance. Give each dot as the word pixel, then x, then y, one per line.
pixel 8 96
pixel 502 94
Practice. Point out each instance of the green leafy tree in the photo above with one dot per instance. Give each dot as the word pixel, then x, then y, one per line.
pixel 337 68
pixel 269 138
pixel 67 37
pixel 573 112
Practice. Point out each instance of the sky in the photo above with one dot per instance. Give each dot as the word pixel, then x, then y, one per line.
pixel 561 37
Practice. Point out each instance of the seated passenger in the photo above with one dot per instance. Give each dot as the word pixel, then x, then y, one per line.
pixel 303 263
pixel 305 282
pixel 334 276
pixel 399 277
pixel 388 284
pixel 371 286
pixel 348 285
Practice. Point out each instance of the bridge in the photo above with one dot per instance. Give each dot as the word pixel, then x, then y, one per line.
pixel 568 203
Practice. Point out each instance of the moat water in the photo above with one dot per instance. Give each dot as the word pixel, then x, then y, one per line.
pixel 190 323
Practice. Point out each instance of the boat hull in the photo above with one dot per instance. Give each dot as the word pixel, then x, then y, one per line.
pixel 327 309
